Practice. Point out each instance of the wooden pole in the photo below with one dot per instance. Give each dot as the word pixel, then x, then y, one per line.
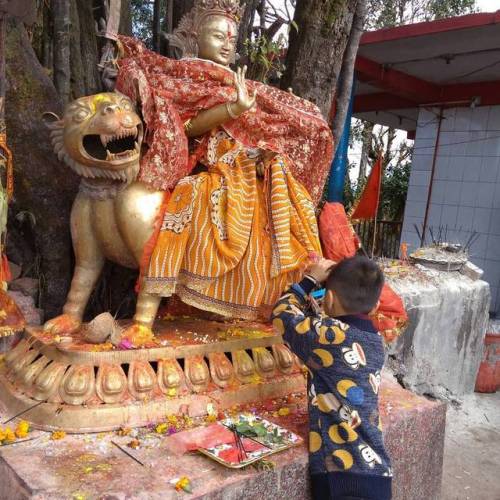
pixel 374 235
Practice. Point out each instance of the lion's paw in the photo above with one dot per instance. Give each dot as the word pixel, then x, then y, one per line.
pixel 65 324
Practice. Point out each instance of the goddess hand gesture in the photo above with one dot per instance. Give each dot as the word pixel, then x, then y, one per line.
pixel 244 101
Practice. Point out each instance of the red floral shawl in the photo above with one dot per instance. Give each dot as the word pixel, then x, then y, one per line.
pixel 172 91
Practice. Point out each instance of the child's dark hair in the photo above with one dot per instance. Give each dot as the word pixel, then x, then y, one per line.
pixel 358 282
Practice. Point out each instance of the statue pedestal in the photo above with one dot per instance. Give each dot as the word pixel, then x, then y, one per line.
pixel 90 466
pixel 81 387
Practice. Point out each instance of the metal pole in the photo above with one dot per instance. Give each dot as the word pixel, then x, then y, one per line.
pixel 429 193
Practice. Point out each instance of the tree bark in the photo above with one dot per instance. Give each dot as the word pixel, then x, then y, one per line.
pixel 47 49
pixel 62 72
pixel 156 25
pixel 125 27
pixel 391 135
pixel 246 24
pixel 344 89
pixel 181 7
pixel 315 52
pixel 43 186
pixel 3 32
pixel 88 47
pixel 76 64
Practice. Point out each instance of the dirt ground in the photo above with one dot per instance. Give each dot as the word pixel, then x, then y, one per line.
pixel 472 449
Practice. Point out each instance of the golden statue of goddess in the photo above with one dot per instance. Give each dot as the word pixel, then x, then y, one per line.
pixel 233 236
pixel 229 238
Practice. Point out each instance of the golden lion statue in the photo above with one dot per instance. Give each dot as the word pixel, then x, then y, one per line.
pixel 113 215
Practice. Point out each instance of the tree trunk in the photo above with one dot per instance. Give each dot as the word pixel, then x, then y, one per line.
pixel 366 146
pixel 125 27
pixel 156 25
pixel 181 7
pixel 84 52
pixel 3 32
pixel 44 187
pixel 47 49
pixel 62 72
pixel 89 49
pixel 246 24
pixel 76 64
pixel 391 135
pixel 315 52
pixel 344 90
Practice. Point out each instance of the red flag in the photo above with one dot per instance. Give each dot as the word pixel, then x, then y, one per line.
pixel 367 205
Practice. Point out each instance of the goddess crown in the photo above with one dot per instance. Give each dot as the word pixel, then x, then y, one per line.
pixel 185 35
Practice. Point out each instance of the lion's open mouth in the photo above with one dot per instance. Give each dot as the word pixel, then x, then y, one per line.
pixel 120 146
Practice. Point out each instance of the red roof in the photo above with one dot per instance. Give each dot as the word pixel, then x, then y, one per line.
pixel 449 62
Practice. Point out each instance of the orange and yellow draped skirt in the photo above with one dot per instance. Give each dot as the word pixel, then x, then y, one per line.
pixel 231 242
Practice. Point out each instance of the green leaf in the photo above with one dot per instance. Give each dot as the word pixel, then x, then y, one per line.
pixel 260 430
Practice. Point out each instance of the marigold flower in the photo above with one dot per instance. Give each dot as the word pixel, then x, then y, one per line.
pixel 10 437
pixel 161 428
pixel 56 435
pixel 183 484
pixel 22 429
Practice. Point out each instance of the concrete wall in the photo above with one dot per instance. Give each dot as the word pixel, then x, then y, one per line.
pixel 466 188
pixel 440 351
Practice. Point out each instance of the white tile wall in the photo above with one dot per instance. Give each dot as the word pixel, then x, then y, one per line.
pixel 466 189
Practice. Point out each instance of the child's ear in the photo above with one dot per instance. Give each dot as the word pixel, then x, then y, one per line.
pixel 328 298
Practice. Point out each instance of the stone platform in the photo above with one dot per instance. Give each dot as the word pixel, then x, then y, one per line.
pixel 91 467
pixel 76 386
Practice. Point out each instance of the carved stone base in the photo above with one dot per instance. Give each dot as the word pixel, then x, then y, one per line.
pixel 84 387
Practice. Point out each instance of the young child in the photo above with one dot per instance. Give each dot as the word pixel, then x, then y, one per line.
pixel 344 355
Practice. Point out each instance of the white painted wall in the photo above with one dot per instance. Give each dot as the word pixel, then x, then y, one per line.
pixel 466 187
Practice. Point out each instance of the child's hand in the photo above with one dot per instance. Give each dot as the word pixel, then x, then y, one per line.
pixel 320 269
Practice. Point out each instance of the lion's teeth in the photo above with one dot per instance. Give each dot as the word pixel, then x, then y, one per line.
pixel 136 145
pixel 109 155
pixel 104 140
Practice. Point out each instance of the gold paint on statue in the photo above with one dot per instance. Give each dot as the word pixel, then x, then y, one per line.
pixel 113 217
pixel 65 378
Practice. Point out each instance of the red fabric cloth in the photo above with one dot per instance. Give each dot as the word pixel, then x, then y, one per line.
pixel 336 232
pixel 339 242
pixel 367 205
pixel 172 92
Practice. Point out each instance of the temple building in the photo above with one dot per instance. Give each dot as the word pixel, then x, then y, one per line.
pixel 440 81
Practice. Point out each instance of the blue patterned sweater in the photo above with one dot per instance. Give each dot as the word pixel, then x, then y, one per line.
pixel 344 357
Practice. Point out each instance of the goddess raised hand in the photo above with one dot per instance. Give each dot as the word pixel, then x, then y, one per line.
pixel 244 101
pixel 216 116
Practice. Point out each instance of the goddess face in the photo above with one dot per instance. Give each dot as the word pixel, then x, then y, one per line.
pixel 217 40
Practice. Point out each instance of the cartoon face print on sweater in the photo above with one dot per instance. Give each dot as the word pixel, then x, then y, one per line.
pixel 354 356
pixel 350 416
pixel 369 455
pixel 375 380
pixel 324 402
